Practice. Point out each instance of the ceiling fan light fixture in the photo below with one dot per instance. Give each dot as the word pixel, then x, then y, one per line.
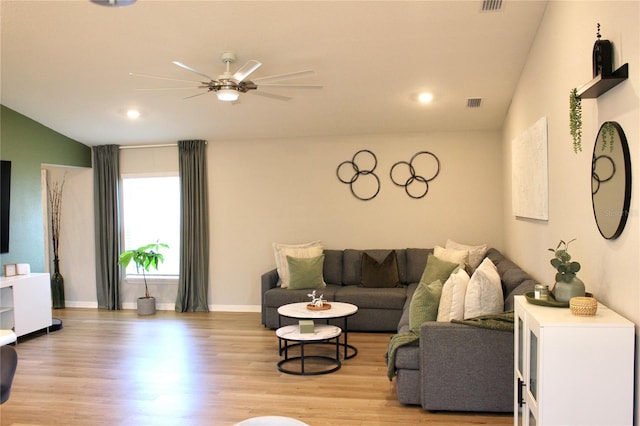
pixel 227 95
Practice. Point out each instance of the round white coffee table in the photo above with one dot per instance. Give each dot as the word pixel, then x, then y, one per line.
pixel 321 333
pixel 337 310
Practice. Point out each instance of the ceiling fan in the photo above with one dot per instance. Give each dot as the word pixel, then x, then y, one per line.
pixel 228 86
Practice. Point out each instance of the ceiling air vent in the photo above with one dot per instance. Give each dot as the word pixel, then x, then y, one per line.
pixel 491 5
pixel 474 102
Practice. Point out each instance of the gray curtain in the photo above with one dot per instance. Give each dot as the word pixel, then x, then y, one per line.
pixel 106 176
pixel 193 284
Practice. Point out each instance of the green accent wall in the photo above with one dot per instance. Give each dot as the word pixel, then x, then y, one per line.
pixel 28 144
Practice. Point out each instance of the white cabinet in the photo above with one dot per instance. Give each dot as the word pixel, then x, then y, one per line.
pixel 572 370
pixel 25 303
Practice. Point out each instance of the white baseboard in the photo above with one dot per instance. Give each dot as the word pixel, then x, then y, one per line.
pixel 169 306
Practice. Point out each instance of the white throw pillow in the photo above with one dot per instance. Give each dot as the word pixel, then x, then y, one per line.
pixel 484 291
pixel 461 257
pixel 476 253
pixel 453 295
pixel 305 251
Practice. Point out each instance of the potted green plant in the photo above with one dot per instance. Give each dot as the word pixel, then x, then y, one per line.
pixel 567 285
pixel 145 258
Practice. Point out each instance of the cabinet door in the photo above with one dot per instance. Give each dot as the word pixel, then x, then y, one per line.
pixel 520 406
pixel 32 304
pixel 532 369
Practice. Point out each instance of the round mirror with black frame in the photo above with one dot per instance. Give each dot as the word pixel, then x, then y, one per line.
pixel 611 180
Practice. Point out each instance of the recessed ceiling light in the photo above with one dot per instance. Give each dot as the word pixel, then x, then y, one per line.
pixel 425 98
pixel 133 114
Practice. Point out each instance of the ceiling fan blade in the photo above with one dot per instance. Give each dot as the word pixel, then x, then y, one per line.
pixel 163 78
pixel 188 68
pixel 294 86
pixel 197 94
pixel 270 95
pixel 246 70
pixel 153 89
pixel 286 76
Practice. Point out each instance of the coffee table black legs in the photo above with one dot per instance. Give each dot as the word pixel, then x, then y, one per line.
pixel 282 364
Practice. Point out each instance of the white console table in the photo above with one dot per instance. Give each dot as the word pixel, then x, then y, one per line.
pixel 572 370
pixel 25 303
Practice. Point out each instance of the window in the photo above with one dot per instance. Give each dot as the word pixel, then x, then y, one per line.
pixel 151 212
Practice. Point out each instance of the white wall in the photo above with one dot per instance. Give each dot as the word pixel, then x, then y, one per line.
pixel 560 59
pixel 265 191
pixel 287 191
pixel 77 240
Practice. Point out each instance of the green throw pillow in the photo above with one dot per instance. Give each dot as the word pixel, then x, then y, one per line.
pixel 305 272
pixel 424 304
pixel 437 269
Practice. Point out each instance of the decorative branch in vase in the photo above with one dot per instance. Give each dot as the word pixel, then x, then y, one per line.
pixel 54 192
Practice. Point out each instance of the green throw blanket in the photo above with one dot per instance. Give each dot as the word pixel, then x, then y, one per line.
pixel 397 340
pixel 503 322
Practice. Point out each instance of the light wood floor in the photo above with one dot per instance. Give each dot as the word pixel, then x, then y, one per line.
pixel 115 368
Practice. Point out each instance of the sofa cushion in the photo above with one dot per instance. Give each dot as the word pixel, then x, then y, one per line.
pixel 332 270
pixel 424 304
pixel 484 291
pixel 454 291
pixel 278 296
pixel 375 298
pixel 437 269
pixel 305 273
pixel 461 257
pixel 416 262
pixel 380 274
pixel 476 253
pixel 281 251
pixel 352 264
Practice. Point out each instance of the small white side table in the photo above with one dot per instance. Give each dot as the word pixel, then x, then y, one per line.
pixel 337 310
pixel 322 333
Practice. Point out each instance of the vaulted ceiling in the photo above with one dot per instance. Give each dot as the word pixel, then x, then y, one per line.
pixel 67 65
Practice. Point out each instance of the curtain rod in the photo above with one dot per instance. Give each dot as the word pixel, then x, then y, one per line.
pixel 147 146
pixel 164 145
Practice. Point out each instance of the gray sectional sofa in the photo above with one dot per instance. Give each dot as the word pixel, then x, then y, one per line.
pixel 455 367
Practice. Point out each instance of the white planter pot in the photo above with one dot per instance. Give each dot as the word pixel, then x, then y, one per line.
pixel 146 305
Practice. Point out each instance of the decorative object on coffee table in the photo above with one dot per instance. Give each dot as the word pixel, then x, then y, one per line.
pixel 317 302
pixel 567 284
pixel 145 258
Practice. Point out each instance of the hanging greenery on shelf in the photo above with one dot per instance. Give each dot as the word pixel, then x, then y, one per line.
pixel 575 119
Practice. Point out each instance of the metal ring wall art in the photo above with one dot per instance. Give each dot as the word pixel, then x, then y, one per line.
pixel 410 179
pixel 597 180
pixel 349 172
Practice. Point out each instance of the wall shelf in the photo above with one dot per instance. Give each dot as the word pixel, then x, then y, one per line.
pixel 600 84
